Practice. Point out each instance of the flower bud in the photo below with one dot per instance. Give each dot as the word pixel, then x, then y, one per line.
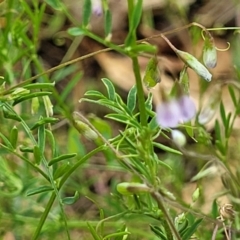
pixel 18 92
pixel 126 188
pixel 180 219
pixel 195 195
pixel 193 63
pixel 84 129
pixel 97 9
pixel 209 53
pixel 48 106
pixel 178 138
pixel 34 105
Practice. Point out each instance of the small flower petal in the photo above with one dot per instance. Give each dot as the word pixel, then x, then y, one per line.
pixel 187 108
pixel 168 114
pixel 97 7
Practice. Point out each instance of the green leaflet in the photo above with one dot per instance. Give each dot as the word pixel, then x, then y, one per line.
pixel 152 73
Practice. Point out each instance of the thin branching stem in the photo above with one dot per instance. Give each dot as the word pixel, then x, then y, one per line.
pixel 62 65
pixel 157 196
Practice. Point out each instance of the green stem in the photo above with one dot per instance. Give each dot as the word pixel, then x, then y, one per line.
pixel 78 163
pixel 140 93
pixel 157 196
pixel 63 180
pixel 44 216
pixel 53 69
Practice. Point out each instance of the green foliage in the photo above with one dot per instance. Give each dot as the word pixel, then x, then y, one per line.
pixel 87 8
pixel 152 73
pixel 135 12
pixel 107 22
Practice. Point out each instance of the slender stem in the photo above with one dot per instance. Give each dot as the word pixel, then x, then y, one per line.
pixel 227 233
pixel 53 69
pixel 44 216
pixel 215 232
pixel 107 50
pixel 118 215
pixel 224 28
pixel 160 200
pixel 78 163
pixel 53 197
pixel 140 93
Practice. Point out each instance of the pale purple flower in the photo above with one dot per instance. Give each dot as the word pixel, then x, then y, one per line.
pixel 97 7
pixel 187 107
pixel 175 111
pixel 168 114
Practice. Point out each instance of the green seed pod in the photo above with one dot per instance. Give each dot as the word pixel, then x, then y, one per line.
pixel 37 154
pixel 152 73
pixel 193 63
pixel 14 137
